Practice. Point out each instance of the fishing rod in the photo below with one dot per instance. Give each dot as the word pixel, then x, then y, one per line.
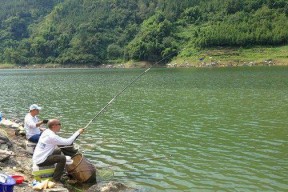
pixel 116 97
pixel 124 90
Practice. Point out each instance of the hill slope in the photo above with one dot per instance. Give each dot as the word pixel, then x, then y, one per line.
pixel 101 31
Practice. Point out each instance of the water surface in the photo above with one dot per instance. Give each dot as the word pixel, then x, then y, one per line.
pixel 219 129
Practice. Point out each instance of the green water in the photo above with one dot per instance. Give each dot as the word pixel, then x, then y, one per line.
pixel 219 129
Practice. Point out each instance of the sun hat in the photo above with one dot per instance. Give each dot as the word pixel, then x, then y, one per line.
pixel 34 106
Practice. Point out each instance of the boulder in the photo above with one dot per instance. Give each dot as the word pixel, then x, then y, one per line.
pixel 112 186
pixel 5 147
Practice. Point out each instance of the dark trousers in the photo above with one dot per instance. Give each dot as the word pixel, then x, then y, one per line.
pixel 68 150
pixel 56 157
pixel 35 138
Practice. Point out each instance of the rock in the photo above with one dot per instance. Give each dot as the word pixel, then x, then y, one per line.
pixel 6 122
pixel 5 141
pixel 112 186
pixel 20 131
pixel 5 146
pixel 56 190
pixel 4 157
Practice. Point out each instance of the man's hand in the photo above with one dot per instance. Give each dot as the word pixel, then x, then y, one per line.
pixel 81 130
pixel 45 121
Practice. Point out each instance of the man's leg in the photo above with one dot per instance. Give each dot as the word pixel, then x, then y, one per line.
pixel 68 150
pixel 34 138
pixel 51 160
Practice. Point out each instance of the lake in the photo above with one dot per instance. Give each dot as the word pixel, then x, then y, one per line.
pixel 198 129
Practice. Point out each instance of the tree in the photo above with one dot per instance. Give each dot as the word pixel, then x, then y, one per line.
pixel 114 51
pixel 150 43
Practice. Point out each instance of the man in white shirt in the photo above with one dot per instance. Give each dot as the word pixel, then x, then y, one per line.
pixel 45 153
pixel 32 124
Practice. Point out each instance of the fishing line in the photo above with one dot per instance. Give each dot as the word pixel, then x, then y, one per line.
pixel 125 89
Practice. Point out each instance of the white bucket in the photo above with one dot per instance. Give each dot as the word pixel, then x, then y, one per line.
pixel 30 147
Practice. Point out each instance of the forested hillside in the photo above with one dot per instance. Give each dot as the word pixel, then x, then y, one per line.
pixel 107 31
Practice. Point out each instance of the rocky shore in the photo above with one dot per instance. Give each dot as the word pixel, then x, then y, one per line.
pixel 15 160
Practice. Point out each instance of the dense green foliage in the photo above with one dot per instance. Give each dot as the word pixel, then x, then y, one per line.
pixel 101 31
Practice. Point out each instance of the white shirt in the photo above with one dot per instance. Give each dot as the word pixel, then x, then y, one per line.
pixel 30 125
pixel 47 143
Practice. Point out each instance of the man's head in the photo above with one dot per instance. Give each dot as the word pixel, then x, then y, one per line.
pixel 34 109
pixel 54 125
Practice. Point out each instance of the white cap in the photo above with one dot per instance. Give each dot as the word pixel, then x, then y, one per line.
pixel 34 106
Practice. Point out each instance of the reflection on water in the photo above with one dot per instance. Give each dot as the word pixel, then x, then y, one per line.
pixel 216 129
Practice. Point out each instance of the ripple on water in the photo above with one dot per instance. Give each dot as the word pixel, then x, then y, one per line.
pixel 220 129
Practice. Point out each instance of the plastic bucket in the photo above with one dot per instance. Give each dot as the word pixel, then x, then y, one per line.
pixel 18 178
pixel 81 169
pixel 8 185
pixel 30 147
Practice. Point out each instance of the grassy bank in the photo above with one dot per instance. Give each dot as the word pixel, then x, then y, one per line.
pixel 232 57
pixel 7 66
pixel 217 57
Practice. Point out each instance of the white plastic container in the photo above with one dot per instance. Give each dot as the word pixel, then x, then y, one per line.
pixel 30 147
pixel 69 161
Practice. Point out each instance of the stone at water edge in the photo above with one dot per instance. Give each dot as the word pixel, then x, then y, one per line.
pixel 112 186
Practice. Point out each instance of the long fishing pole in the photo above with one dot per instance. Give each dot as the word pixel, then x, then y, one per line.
pixel 123 91
pixel 116 97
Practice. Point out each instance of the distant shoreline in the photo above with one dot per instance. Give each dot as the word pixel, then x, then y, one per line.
pixel 170 65
pixel 212 57
pixel 209 57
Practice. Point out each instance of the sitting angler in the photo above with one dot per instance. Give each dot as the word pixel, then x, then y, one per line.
pixel 45 153
pixel 32 124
